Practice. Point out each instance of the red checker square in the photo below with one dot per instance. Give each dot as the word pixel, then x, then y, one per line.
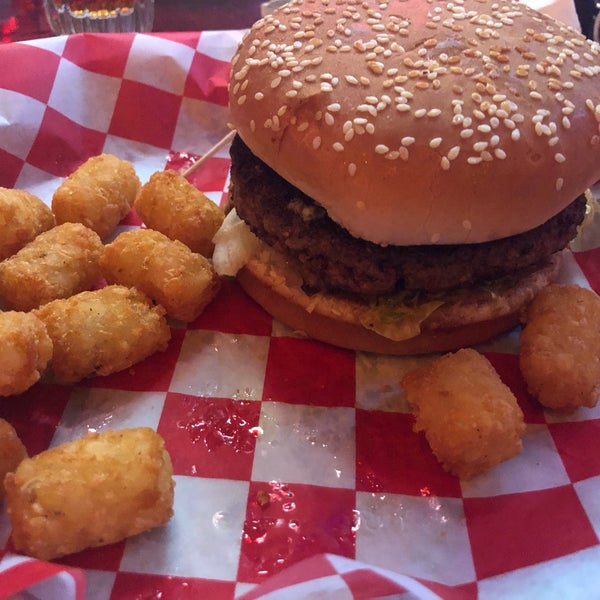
pixel 577 445
pixel 131 219
pixel 589 262
pixel 317 566
pixel 301 371
pixel 102 557
pixel 518 530
pixel 37 78
pixel 286 523
pixel 140 585
pixel 212 176
pixel 391 457
pixel 35 414
pixel 207 80
pixel 150 375
pixel 466 591
pixel 507 367
pixel 145 114
pixel 233 311
pixel 365 583
pixel 91 52
pixel 210 437
pixel 10 168
pixel 61 144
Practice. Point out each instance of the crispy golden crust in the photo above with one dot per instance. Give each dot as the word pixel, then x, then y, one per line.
pixel 98 194
pixel 12 452
pixel 169 203
pixel 166 270
pixel 560 347
pixel 90 492
pixel 56 264
pixel 470 418
pixel 23 216
pixel 102 331
pixel 25 348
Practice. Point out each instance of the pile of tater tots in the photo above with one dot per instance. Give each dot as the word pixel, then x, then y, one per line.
pixel 79 299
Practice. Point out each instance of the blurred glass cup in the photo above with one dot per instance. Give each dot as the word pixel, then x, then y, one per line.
pixel 105 16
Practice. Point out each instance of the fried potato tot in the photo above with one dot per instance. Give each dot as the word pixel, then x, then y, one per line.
pixel 470 417
pixel 90 492
pixel 25 348
pixel 102 332
pixel 560 347
pixel 169 203
pixel 23 216
pixel 98 194
pixel 166 270
pixel 12 451
pixel 57 264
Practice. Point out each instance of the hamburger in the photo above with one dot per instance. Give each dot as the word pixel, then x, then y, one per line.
pixel 406 174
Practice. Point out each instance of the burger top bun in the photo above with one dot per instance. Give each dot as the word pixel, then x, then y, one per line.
pixel 422 122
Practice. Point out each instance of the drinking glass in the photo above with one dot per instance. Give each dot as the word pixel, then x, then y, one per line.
pixel 107 16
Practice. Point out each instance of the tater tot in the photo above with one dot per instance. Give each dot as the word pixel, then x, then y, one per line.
pixel 58 263
pixel 102 332
pixel 560 347
pixel 169 203
pixel 470 417
pixel 12 452
pixel 23 216
pixel 166 270
pixel 98 194
pixel 93 491
pixel 25 350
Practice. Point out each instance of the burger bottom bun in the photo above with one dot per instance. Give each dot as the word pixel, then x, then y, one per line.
pixel 468 318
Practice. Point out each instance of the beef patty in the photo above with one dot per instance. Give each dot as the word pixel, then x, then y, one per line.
pixel 331 259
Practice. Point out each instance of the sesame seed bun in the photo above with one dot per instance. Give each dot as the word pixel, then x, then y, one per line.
pixel 417 122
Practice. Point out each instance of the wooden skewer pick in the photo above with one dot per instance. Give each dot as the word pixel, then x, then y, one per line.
pixel 223 142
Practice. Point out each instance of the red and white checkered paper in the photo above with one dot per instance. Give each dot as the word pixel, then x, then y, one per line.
pixel 297 471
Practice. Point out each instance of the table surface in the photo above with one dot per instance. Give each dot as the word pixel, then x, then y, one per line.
pixel 25 19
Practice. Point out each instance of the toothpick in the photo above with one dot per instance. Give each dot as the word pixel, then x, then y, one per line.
pixel 223 142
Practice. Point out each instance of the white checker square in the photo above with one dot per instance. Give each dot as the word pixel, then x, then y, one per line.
pixel 581 414
pixel 95 100
pixel 306 444
pixel 99 584
pixel 417 536
pixel 574 576
pixel 203 537
pixel 219 45
pixel 146 159
pixel 55 44
pixel 101 409
pixel 38 182
pixel 159 62
pixel 588 491
pixel 214 364
pixel 200 126
pixel 378 381
pixel 18 108
pixel 537 467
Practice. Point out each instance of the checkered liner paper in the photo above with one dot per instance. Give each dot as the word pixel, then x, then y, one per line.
pixel 358 506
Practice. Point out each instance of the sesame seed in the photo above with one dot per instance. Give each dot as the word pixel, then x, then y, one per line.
pixel 559 184
pixel 466 133
pixel 351 169
pixel 381 149
pixel 316 143
pixel 499 153
pixel 421 112
pixel 515 135
pixel 407 141
pixel 474 160
pixel 338 147
pixel 435 142
pixel 559 158
pixel 453 152
pixel 445 163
